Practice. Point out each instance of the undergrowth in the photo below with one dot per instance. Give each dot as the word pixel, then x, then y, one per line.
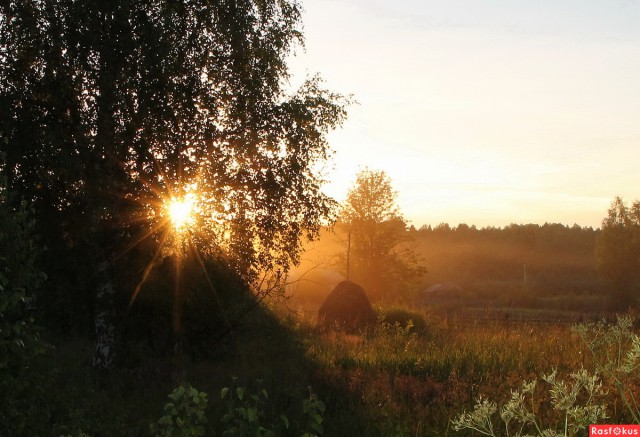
pixel 577 400
pixel 391 380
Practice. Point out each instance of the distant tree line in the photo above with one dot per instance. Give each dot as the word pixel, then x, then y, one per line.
pixel 391 259
pixel 547 259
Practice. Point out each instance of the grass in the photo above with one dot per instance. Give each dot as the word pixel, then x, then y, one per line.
pixel 414 383
pixel 400 378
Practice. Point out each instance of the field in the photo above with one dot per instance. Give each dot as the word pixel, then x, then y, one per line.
pixel 393 379
pixel 414 381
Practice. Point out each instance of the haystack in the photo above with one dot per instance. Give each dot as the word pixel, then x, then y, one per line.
pixel 346 306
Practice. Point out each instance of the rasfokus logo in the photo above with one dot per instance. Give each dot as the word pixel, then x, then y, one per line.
pixel 614 430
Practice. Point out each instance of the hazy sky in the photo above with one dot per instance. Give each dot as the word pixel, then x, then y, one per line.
pixel 485 112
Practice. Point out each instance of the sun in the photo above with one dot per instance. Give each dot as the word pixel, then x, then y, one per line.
pixel 181 212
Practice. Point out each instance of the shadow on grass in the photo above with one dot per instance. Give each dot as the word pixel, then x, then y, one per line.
pixel 211 351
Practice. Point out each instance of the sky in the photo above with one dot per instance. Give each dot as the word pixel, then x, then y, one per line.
pixel 484 112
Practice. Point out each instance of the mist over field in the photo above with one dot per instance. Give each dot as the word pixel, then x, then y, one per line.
pixel 528 265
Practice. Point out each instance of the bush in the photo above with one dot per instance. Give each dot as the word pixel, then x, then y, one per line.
pixel 21 386
pixel 185 415
pixel 245 414
pixel 403 318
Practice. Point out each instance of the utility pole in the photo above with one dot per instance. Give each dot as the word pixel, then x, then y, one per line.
pixel 348 253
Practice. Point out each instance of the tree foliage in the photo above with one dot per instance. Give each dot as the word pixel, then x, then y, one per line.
pixel 381 256
pixel 109 109
pixel 618 250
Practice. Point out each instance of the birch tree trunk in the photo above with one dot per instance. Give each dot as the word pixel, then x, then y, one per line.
pixel 104 351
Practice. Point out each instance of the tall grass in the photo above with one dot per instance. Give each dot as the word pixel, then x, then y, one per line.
pixel 412 382
pixel 411 374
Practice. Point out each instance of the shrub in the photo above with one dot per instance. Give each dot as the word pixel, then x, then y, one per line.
pixel 403 318
pixel 21 388
pixel 313 408
pixel 245 412
pixel 573 406
pixel 185 415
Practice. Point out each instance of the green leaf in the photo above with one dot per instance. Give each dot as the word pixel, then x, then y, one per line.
pixel 318 427
pixel 252 415
pixel 242 412
pixel 285 421
pixel 165 420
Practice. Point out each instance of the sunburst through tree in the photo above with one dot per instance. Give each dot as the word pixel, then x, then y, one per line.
pixel 173 217
pixel 129 92
pixel 181 212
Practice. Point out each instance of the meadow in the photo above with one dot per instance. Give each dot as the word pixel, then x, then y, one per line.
pixel 410 374
pixel 413 378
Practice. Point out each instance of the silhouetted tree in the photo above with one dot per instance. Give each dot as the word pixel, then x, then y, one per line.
pixel 618 251
pixel 382 258
pixel 106 105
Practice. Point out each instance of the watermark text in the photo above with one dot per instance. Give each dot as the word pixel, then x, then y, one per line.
pixel 614 430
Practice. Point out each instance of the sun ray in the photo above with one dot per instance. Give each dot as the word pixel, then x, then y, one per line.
pixel 197 256
pixel 154 187
pixel 178 306
pixel 172 210
pixel 149 266
pixel 153 230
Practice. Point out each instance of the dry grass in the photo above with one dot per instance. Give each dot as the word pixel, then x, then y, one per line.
pixel 414 383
